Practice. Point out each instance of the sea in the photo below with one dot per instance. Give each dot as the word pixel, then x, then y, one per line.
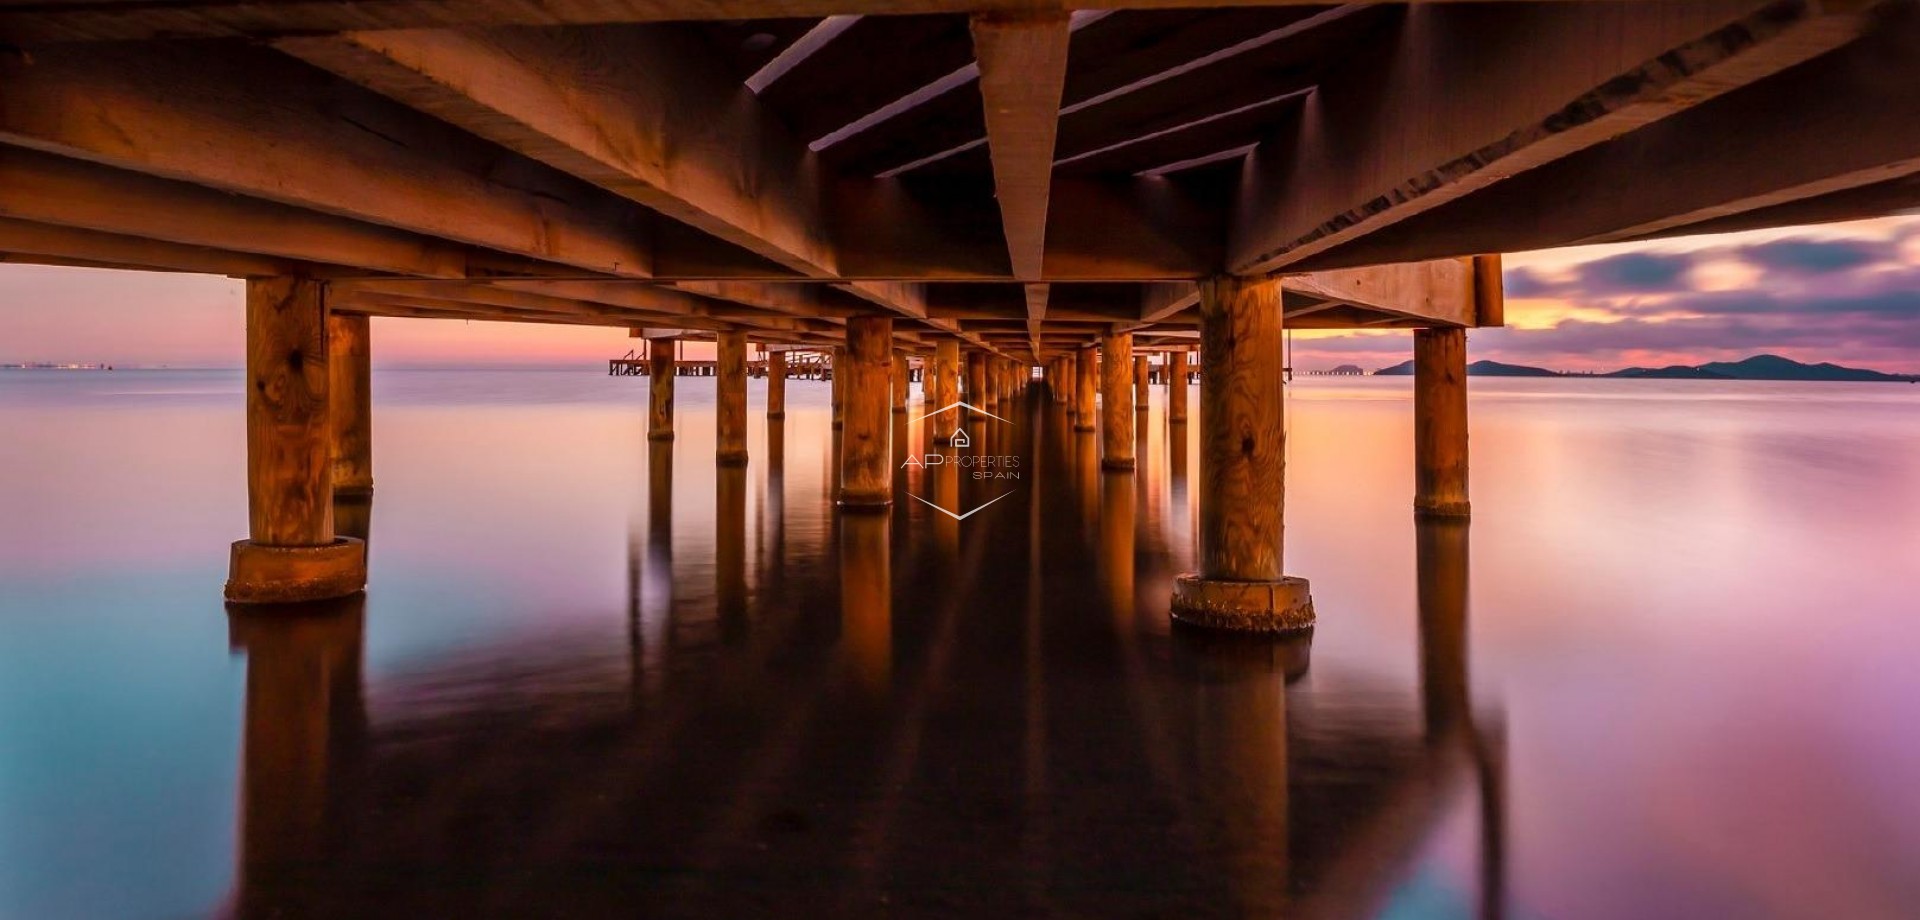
pixel 1668 669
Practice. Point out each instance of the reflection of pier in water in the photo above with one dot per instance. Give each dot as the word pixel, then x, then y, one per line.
pixel 934 724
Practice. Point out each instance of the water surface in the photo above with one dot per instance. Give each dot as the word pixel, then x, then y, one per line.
pixel 1665 673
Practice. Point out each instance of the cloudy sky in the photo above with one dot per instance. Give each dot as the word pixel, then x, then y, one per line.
pixel 1848 293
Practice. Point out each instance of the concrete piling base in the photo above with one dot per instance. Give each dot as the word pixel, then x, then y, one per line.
pixel 1283 605
pixel 262 574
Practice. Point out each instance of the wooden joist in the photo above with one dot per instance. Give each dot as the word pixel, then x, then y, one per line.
pixel 638 110
pixel 256 123
pixel 1464 96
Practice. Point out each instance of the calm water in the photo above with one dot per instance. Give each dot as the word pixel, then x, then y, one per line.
pixel 1669 672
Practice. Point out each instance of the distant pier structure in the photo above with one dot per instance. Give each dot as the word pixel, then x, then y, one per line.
pixel 959 190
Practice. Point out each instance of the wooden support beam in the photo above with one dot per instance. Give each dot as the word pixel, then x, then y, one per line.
pixel 901 381
pixel 1085 366
pixel 54 190
pixel 776 385
pixel 25 242
pixel 642 111
pixel 866 476
pixel 1023 71
pixel 730 402
pixel 1177 387
pixel 1036 297
pixel 1116 401
pixel 256 123
pixel 1241 585
pixel 1141 375
pixel 291 553
pixel 661 370
pixel 350 383
pixel 945 389
pixel 1843 122
pixel 1441 291
pixel 838 386
pixel 1440 422
pixel 1469 95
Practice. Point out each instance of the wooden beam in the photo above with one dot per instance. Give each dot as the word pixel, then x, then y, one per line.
pixel 638 110
pixel 252 122
pixel 1846 121
pixel 52 21
pixel 1036 295
pixel 1440 291
pixel 49 189
pixel 1468 95
pixel 1023 71
pixel 22 240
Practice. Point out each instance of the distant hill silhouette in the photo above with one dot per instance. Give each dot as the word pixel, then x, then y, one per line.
pixel 1758 367
pixel 1476 369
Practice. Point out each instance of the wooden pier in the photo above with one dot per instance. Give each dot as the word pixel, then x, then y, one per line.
pixel 957 189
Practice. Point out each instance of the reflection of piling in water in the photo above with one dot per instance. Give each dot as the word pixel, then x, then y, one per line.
pixel 730 551
pixel 353 515
pixel 946 494
pixel 1116 547
pixel 1441 546
pixel 776 510
pixel 1238 686
pixel 1441 550
pixel 305 718
pixel 866 599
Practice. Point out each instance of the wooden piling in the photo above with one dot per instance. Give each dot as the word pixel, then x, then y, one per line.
pixel 1177 387
pixel 1142 380
pixel 900 383
pixel 1085 366
pixel 730 444
pixel 776 385
pixel 292 553
pixel 1241 585
pixel 660 376
pixel 350 371
pixel 945 389
pixel 865 483
pixel 1440 422
pixel 839 386
pixel 977 378
pixel 1116 395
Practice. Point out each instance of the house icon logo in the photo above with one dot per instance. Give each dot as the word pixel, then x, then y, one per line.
pixel 960 438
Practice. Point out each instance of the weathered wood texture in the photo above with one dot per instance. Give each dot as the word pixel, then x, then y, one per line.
pixel 289 428
pixel 776 385
pixel 1243 446
pixel 1116 401
pixel 866 479
pixel 730 384
pixel 350 373
pixel 946 389
pixel 1085 388
pixel 1422 120
pixel 660 375
pixel 1023 72
pixel 1440 422
pixel 1141 377
pixel 901 381
pixel 837 390
pixel 1177 386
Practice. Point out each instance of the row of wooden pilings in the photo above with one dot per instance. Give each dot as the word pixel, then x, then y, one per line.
pixel 309 434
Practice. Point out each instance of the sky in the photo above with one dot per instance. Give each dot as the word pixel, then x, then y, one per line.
pixel 1847 293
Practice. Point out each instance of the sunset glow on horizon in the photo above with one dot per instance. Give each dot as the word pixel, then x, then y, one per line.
pixel 1847 293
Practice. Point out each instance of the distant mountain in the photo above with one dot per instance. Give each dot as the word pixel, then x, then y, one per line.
pixel 1476 369
pixel 1760 367
pixel 1670 372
